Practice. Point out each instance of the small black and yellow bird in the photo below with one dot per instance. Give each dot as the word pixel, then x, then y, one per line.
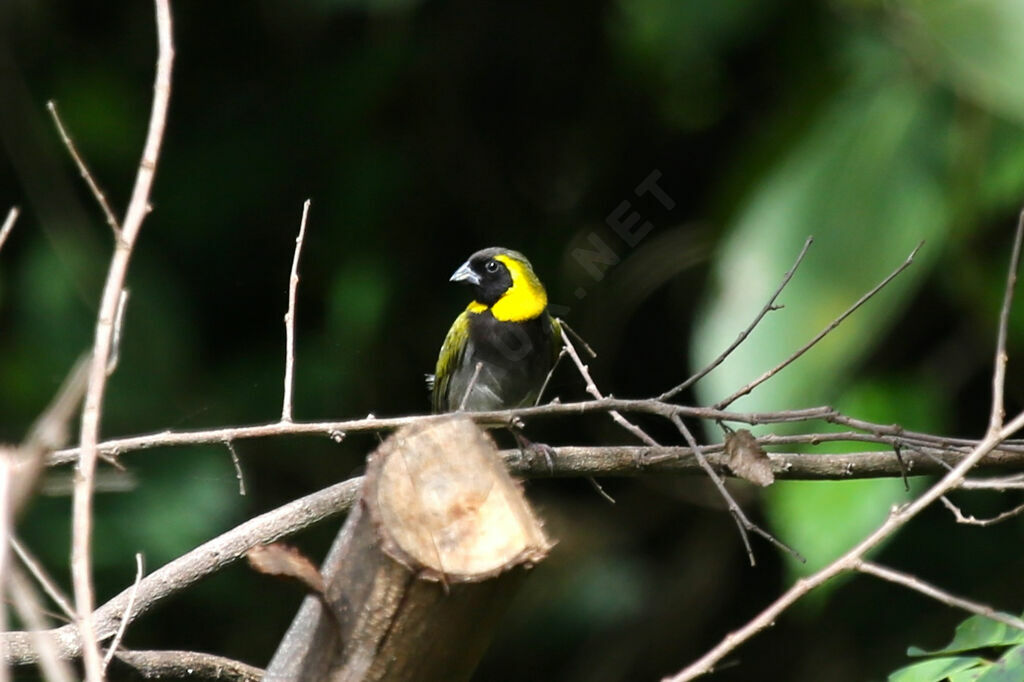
pixel 506 331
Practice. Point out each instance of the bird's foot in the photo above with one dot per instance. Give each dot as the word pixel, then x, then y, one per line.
pixel 531 450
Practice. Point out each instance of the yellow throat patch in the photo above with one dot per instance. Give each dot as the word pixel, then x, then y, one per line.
pixel 524 300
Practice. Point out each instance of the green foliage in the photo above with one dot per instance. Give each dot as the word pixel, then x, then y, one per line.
pixel 996 654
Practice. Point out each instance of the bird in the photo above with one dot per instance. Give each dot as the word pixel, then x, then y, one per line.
pixel 500 350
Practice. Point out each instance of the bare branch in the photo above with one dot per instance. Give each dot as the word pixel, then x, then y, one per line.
pixel 914 583
pixel 8 225
pixel 999 370
pixel 820 335
pixel 768 307
pixel 138 207
pixel 238 467
pixel 742 522
pixel 97 193
pixel 190 567
pixel 853 559
pixel 593 390
pixel 469 388
pixel 1001 484
pixel 547 379
pixel 863 431
pixel 289 320
pixel 849 561
pixel 178 665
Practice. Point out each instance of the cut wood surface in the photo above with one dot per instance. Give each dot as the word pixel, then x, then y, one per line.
pixel 420 573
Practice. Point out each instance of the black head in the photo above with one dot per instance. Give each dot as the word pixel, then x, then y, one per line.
pixel 487 272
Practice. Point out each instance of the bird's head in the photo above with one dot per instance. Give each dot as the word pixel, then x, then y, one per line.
pixel 504 282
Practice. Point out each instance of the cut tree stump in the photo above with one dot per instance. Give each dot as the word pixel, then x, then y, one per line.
pixel 421 572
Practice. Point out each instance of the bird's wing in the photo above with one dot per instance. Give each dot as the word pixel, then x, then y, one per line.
pixel 448 361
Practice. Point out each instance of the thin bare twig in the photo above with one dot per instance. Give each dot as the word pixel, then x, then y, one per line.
pixel 289 320
pixel 820 335
pixel 8 225
pixel 969 520
pixel 583 342
pixel 592 389
pixel 854 557
pixel 238 467
pixel 547 379
pixel 998 412
pixel 97 193
pixel 126 618
pixel 43 578
pixel 914 583
pixel 1001 484
pixel 469 388
pixel 768 307
pixel 194 565
pixel 847 562
pixel 742 522
pixel 27 604
pixel 138 207
pixel 115 343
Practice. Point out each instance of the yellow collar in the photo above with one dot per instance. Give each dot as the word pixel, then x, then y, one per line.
pixel 524 300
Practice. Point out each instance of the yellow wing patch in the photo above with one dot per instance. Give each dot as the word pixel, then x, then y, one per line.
pixel 452 350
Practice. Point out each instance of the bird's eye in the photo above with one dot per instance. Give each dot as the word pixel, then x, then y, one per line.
pixel 491 266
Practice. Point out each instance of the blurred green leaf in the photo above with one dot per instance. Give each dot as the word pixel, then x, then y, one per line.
pixel 822 519
pixel 861 182
pixel 975 46
pixel 1009 667
pixel 977 632
pixel 935 670
pixel 858 183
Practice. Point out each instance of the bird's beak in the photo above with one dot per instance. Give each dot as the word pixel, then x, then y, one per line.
pixel 465 274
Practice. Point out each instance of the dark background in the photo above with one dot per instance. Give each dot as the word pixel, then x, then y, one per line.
pixel 424 131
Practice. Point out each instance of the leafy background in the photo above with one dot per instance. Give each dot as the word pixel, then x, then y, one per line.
pixel 426 130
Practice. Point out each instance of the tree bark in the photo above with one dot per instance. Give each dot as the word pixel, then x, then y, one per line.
pixel 419 574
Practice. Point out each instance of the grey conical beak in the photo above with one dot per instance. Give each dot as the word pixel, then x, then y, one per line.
pixel 465 274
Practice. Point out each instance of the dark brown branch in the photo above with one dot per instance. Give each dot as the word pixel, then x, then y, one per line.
pixel 566 461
